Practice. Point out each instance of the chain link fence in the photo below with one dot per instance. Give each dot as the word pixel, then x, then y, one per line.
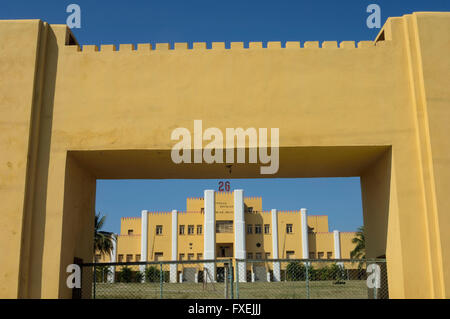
pixel 237 278
pixel 191 279
pixel 312 279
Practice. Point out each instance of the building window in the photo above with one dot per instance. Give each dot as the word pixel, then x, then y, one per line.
pixel 249 229
pixel 190 229
pixel 181 256
pixel 199 229
pixel 258 256
pixel 288 228
pixel 290 254
pixel 320 255
pixel 249 255
pixel 190 256
pixel 329 254
pixel 138 257
pixel 202 210
pixel 129 258
pixel 181 229
pixel 312 255
pixel 97 258
pixel 266 228
pixel 130 232
pixel 158 256
pixel 250 209
pixel 267 256
pixel 224 226
pixel 258 229
pixel 159 229
pixel 120 258
pixel 199 256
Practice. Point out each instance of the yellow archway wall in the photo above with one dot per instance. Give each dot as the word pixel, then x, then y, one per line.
pixel 376 109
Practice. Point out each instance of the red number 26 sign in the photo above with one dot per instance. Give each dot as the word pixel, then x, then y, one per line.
pixel 224 186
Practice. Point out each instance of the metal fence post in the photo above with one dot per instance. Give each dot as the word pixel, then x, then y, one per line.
pixel 307 279
pixel 230 273
pixel 160 281
pixel 237 279
pixel 225 279
pixel 95 280
pixel 375 289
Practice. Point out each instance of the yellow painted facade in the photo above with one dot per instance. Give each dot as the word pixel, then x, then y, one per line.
pixel 376 109
pixel 258 246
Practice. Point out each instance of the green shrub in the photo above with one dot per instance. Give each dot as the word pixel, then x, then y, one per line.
pixel 323 273
pixel 296 271
pixel 338 273
pixel 152 274
pixel 127 275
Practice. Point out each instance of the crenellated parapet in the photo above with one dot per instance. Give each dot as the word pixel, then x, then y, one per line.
pixel 288 211
pixel 253 198
pixel 160 212
pixel 195 198
pixel 223 193
pixel 222 46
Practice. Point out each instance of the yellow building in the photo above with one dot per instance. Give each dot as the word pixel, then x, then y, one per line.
pixel 72 114
pixel 228 225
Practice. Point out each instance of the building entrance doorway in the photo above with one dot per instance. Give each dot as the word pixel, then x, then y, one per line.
pixel 224 250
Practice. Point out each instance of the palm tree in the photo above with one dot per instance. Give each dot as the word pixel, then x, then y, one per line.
pixel 359 252
pixel 103 241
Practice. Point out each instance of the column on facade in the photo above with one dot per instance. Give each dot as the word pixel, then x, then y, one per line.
pixel 210 235
pixel 304 222
pixel 239 233
pixel 276 264
pixel 113 259
pixel 173 267
pixel 337 246
pixel 144 239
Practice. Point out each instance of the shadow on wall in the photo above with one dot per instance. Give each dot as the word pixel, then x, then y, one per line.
pixel 37 175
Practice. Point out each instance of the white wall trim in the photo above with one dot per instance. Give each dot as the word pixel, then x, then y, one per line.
pixel 337 244
pixel 209 237
pixel 240 251
pixel 144 238
pixel 276 265
pixel 173 267
pixel 304 223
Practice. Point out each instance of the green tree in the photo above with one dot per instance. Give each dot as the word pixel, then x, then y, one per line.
pixel 323 273
pixel 103 240
pixel 296 271
pixel 138 276
pixel 152 274
pixel 359 252
pixel 125 274
pixel 337 273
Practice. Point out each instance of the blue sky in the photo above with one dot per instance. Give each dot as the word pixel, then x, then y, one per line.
pixel 339 198
pixel 115 22
pixel 143 21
